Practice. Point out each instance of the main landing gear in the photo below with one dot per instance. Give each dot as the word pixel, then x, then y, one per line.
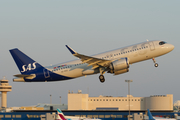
pixel 155 64
pixel 101 78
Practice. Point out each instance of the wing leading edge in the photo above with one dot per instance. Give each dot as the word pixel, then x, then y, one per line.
pixel 95 62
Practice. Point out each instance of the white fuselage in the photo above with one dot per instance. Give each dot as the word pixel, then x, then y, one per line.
pixel 134 53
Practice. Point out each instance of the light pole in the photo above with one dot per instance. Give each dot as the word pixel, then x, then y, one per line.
pixel 50 99
pixel 128 81
pixel 60 100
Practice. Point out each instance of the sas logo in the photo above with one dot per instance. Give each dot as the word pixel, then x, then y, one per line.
pixel 29 67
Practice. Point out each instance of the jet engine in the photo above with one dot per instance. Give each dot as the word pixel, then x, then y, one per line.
pixel 119 66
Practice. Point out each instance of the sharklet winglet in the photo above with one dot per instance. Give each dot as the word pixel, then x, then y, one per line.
pixel 71 50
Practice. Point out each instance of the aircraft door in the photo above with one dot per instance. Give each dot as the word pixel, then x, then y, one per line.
pixel 46 73
pixel 151 45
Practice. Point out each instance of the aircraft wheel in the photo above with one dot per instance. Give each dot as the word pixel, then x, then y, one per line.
pixel 101 78
pixel 156 65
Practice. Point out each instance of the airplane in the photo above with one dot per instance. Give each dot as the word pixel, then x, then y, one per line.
pixel 61 116
pixel 157 118
pixel 114 62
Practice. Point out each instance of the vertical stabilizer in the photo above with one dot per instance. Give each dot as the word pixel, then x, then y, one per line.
pixel 150 115
pixel 60 114
pixel 25 64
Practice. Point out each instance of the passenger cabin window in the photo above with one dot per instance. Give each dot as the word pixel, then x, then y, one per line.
pixel 162 43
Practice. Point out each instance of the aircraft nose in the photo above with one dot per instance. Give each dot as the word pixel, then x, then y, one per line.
pixel 171 47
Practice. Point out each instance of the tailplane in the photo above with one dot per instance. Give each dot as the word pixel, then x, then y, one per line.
pixel 25 64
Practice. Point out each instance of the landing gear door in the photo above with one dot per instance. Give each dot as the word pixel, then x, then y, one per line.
pixel 46 73
pixel 151 45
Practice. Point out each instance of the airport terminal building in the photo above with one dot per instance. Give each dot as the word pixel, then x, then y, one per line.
pixel 79 101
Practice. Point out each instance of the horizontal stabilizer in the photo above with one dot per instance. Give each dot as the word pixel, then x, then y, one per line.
pixel 22 76
pixel 31 76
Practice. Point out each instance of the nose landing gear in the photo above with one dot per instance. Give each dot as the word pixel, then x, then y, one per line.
pixel 155 64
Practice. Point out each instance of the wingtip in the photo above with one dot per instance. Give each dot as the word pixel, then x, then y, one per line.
pixel 14 49
pixel 70 49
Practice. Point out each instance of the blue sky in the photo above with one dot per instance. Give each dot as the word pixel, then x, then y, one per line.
pixel 42 28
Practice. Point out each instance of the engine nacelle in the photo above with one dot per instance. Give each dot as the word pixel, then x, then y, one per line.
pixel 121 71
pixel 120 64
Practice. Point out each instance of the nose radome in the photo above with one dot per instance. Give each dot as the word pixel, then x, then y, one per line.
pixel 171 47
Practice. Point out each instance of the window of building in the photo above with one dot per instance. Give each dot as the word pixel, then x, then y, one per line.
pixel 122 99
pixel 119 99
pixel 125 99
pixel 95 116
pixel 141 99
pixel 83 116
pixel 1 116
pixel 106 99
pixel 119 116
pixel 101 116
pixel 89 116
pixel 7 116
pixel 125 116
pixel 107 116
pixel 113 116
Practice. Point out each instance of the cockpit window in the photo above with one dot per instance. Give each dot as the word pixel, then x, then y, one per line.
pixel 162 43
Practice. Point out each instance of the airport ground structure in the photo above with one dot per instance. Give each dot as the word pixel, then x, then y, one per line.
pixel 79 101
pixel 102 107
pixel 101 114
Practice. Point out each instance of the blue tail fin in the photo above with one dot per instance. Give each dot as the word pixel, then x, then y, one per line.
pixel 150 115
pixel 25 64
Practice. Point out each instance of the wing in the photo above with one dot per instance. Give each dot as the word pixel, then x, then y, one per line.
pixel 95 62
